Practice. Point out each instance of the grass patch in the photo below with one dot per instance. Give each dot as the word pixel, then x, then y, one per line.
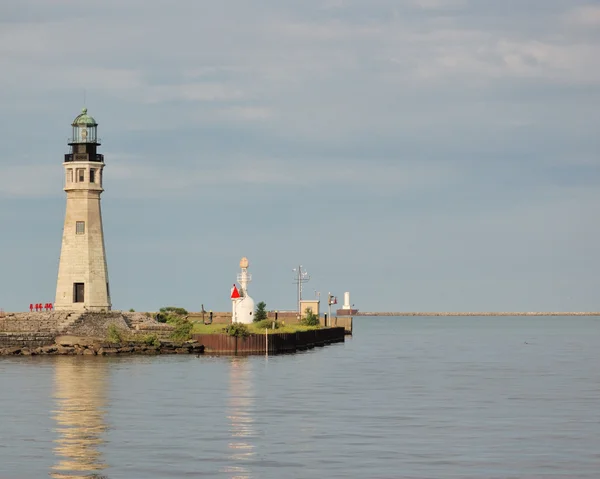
pixel 254 328
pixel 200 328
pixel 291 328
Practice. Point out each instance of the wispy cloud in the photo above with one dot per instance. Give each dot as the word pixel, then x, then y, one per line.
pixel 436 123
pixel 586 15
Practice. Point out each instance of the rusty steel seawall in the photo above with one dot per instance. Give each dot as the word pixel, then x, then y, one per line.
pixel 278 342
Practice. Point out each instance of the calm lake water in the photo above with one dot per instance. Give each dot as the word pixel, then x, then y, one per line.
pixel 404 398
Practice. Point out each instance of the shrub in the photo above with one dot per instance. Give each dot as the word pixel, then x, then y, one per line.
pixel 238 330
pixel 311 319
pixel 267 324
pixel 171 314
pixel 131 310
pixel 113 335
pixel 169 310
pixel 183 330
pixel 151 340
pixel 261 312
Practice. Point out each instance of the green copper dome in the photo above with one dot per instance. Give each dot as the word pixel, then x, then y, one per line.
pixel 84 119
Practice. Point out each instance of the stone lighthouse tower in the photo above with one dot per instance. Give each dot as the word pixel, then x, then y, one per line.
pixel 82 273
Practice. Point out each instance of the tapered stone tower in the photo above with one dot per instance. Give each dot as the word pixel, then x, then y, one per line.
pixel 82 273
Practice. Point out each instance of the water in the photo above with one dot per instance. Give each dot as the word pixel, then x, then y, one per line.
pixel 404 398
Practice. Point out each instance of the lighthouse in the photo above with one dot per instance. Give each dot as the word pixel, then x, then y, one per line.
pixel 82 283
pixel 241 302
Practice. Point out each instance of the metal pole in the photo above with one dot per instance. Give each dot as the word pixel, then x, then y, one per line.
pixel 266 341
pixel 329 304
pixel 299 290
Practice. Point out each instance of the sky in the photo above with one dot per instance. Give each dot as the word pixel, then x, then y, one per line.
pixel 424 155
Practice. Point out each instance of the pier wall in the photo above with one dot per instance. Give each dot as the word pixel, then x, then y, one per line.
pixel 275 343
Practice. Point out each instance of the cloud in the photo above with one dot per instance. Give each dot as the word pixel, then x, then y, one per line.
pixel 134 176
pixel 204 92
pixel 586 15
pixel 440 4
pixel 246 113
pixel 29 181
pixel 425 119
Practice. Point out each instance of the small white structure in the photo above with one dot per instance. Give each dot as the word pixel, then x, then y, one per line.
pixel 242 303
pixel 346 301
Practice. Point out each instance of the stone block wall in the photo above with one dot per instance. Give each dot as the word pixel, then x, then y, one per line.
pixel 34 330
pixel 30 340
pixel 96 325
pixel 50 321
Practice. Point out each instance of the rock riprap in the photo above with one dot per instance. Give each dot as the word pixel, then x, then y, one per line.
pixel 81 346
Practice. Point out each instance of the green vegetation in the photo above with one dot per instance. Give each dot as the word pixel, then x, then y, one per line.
pixel 183 330
pixel 261 312
pixel 254 328
pixel 238 330
pixel 131 310
pixel 213 328
pixel 117 336
pixel 151 340
pixel 266 324
pixel 113 335
pixel 170 313
pixel 311 319
pixel 178 318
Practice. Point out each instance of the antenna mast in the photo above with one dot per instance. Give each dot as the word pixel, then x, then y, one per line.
pixel 300 277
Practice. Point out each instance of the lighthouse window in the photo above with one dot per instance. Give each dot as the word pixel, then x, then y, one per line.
pixel 80 175
pixel 80 227
pixel 70 175
pixel 92 175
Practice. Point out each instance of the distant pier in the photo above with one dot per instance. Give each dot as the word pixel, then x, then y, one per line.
pixel 481 313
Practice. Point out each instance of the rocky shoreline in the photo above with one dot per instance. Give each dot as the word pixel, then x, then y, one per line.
pixel 71 346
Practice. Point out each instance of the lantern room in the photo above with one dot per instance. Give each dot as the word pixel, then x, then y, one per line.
pixel 85 141
pixel 84 129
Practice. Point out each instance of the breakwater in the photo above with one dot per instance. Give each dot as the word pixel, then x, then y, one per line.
pixel 481 313
pixel 275 343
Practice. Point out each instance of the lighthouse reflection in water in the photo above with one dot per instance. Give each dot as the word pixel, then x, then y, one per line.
pixel 80 398
pixel 240 414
